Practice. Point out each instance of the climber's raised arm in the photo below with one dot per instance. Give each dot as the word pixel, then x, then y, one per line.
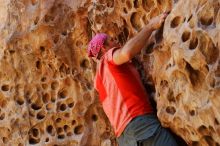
pixel 135 44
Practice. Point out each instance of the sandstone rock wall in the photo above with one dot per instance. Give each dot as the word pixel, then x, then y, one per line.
pixel 187 88
pixel 47 95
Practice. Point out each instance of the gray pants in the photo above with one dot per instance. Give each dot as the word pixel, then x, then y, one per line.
pixel 146 130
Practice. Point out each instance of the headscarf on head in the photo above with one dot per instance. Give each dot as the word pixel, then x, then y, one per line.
pixel 96 44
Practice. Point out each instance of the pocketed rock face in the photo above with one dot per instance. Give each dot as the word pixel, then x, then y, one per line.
pixel 47 95
pixel 186 72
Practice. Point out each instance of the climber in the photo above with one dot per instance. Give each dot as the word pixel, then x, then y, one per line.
pixel 121 92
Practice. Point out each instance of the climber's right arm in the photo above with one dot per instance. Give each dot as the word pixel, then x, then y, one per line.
pixel 135 44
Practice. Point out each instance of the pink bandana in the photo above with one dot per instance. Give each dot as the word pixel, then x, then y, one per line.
pixel 96 44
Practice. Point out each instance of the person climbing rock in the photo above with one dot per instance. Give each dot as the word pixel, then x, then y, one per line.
pixel 121 92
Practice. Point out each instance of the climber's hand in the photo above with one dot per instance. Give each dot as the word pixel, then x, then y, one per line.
pixel 156 22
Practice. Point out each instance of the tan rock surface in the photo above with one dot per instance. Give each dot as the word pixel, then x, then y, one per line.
pixel 187 88
pixel 47 95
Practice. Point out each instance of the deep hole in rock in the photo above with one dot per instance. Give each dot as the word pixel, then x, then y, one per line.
pixel 193 43
pixel 38 64
pixel 64 33
pixel 209 140
pixel 67 115
pixel 53 98
pixel 123 36
pixel 49 106
pixel 3 103
pixel 171 110
pixel 36 20
pixel 176 22
pixel 136 3
pixel 209 50
pixel 63 68
pixel 216 121
pixel 35 132
pixel 196 77
pixel 126 33
pixel 160 2
pixel 135 20
pixel 206 20
pixel 63 107
pixel 58 120
pixel 170 96
pixel 78 129
pixel 63 93
pixel 46 98
pixel 66 128
pixel 217 72
pixel 70 105
pixel 129 5
pixel 33 140
pixel 73 122
pixel 110 4
pixel 70 102
pixel 11 51
pixel 150 48
pixel 168 66
pixel 145 20
pixel 47 139
pixel 164 83
pixel 192 112
pixel 94 117
pixel 42 48
pixel 43 79
pixel 5 140
pixel 211 129
pixel 2 117
pixel 56 38
pixel 186 36
pixel 203 130
pixel 20 100
pixel 59 130
pixel 159 34
pixel 48 18
pixel 54 85
pixel 50 129
pixel 79 44
pixel 32 114
pixel 40 115
pixel 148 4
pixel 61 136
pixel 36 106
pixel 69 134
pixel 34 2
pixel 195 143
pixel 84 63
pixel 125 10
pixel 44 86
pixel 5 87
pixel 190 17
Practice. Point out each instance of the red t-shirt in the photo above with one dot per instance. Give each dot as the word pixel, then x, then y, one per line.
pixel 121 92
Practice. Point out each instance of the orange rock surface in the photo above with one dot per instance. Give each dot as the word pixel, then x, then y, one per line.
pixel 46 79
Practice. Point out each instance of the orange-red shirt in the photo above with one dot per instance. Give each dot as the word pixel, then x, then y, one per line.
pixel 121 92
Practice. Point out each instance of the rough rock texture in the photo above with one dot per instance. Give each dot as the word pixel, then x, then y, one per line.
pixel 47 95
pixel 188 83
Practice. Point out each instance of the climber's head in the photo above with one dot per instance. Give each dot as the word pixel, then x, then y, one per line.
pixel 100 44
